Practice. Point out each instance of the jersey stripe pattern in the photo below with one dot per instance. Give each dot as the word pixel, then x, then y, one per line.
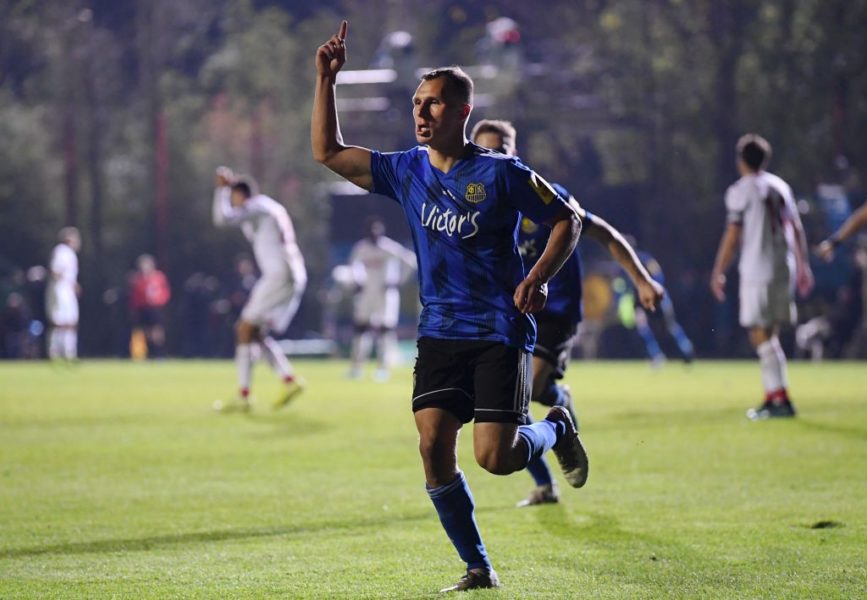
pixel 565 292
pixel 464 226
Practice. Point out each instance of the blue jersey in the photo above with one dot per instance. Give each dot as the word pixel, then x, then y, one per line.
pixel 464 227
pixel 564 290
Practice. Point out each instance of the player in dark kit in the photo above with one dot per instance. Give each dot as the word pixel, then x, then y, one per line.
pixel 558 321
pixel 476 333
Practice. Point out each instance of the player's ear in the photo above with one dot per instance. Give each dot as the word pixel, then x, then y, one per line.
pixel 466 109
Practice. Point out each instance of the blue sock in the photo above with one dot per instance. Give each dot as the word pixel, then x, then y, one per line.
pixel 682 341
pixel 653 349
pixel 456 509
pixel 538 467
pixel 540 436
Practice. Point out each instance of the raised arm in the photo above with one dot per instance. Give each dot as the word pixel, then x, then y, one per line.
pixel 855 222
pixel 531 294
pixel 350 162
pixel 222 210
pixel 650 292
pixel 726 252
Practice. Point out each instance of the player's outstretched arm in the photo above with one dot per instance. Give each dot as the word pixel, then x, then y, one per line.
pixel 853 224
pixel 650 292
pixel 350 162
pixel 531 294
pixel 726 252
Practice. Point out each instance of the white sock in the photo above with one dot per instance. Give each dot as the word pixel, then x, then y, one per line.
pixel 276 358
pixel 70 344
pixel 361 344
pixel 55 343
pixel 384 347
pixel 773 372
pixel 781 359
pixel 244 366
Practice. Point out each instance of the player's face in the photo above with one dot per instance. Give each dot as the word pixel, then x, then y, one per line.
pixel 436 120
pixel 494 141
pixel 74 242
pixel 238 198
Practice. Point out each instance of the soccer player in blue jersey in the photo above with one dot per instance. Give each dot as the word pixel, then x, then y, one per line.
pixel 463 204
pixel 558 322
pixel 666 313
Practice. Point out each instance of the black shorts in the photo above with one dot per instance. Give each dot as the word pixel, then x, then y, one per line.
pixel 149 316
pixel 554 342
pixel 486 381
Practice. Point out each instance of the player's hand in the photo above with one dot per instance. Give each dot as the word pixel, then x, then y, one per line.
pixel 718 286
pixel 224 177
pixel 331 56
pixel 530 296
pixel 804 281
pixel 650 294
pixel 825 250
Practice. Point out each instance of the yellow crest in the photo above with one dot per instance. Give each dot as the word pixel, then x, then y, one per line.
pixel 528 227
pixel 542 188
pixel 475 193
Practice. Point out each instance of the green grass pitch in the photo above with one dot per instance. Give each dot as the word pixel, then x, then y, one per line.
pixel 117 481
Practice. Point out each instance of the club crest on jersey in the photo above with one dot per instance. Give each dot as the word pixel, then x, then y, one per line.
pixel 475 193
pixel 528 227
pixel 542 188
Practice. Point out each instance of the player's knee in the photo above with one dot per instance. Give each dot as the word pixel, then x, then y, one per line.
pixel 495 461
pixel 245 332
pixel 440 464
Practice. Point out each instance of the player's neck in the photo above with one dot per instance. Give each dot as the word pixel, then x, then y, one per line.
pixel 445 156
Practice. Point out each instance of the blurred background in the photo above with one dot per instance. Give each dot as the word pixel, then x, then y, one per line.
pixel 115 113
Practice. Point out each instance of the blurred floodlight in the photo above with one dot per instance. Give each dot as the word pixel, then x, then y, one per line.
pixel 374 104
pixel 367 76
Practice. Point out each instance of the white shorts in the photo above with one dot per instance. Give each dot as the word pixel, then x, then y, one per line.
pixel 377 308
pixel 767 304
pixel 273 302
pixel 61 305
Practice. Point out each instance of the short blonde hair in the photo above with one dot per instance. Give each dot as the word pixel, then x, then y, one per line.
pixel 502 128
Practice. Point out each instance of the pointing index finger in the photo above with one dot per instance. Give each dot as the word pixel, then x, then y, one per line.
pixel 344 25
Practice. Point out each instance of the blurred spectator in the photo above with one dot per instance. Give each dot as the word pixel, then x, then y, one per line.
pixel 149 294
pixel 15 328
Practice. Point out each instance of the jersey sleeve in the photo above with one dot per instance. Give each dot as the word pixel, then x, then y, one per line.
pixel 387 169
pixel 529 193
pixel 226 214
pixel 735 205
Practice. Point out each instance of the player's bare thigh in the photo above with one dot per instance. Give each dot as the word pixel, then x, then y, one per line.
pixel 542 371
pixel 496 448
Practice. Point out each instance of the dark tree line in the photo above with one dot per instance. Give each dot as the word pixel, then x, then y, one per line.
pixel 113 114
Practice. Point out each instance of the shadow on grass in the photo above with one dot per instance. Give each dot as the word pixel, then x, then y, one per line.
pixel 834 428
pixel 605 530
pixel 145 544
pixel 283 423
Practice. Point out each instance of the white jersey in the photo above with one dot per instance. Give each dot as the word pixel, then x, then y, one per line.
pixel 267 226
pixel 64 266
pixel 61 299
pixel 381 264
pixel 764 205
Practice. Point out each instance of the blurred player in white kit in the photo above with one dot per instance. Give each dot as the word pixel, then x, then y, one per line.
pixel 379 266
pixel 276 295
pixel 61 296
pixel 763 220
